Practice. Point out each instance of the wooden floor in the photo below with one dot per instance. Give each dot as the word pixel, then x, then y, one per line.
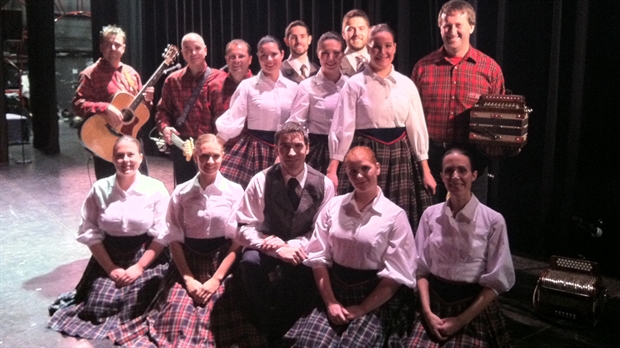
pixel 39 257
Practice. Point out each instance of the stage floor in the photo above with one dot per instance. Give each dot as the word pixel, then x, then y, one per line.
pixel 39 257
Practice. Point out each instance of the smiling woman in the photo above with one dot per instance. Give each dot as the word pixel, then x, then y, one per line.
pixel 381 109
pixel 123 224
pixel 263 102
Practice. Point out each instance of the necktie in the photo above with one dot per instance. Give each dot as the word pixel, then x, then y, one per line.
pixel 360 61
pixel 304 75
pixel 291 190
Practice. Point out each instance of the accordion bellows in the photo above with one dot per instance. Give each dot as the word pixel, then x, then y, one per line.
pixel 570 289
pixel 499 120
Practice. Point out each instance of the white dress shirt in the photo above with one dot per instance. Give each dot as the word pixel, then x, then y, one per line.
pixel 201 214
pixel 471 247
pixel 370 101
pixel 251 211
pixel 264 103
pixel 110 210
pixel 378 237
pixel 315 103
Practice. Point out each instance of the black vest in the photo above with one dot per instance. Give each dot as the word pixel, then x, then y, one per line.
pixel 280 218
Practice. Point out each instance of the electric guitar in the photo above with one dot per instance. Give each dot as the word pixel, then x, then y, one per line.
pixel 187 146
pixel 99 137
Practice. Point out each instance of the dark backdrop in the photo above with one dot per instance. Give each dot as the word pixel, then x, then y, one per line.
pixel 562 55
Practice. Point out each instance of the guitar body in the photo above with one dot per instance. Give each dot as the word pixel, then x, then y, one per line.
pixel 99 137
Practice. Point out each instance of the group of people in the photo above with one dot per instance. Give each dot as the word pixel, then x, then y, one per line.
pixel 293 223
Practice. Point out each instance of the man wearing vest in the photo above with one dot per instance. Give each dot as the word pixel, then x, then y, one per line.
pixel 276 219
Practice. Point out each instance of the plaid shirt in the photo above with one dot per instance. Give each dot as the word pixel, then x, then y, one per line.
pixel 448 91
pixel 177 91
pixel 99 83
pixel 226 89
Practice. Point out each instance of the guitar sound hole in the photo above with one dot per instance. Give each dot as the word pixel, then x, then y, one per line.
pixel 128 116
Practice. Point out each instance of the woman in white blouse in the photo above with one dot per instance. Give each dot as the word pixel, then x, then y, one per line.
pixel 263 103
pixel 202 227
pixel 464 262
pixel 317 96
pixel 124 226
pixel 381 108
pixel 362 253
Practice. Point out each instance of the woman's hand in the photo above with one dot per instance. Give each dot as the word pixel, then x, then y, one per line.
pixel 209 288
pixel 337 314
pixel 195 290
pixel 451 326
pixel 354 312
pixel 116 275
pixel 434 323
pixel 131 274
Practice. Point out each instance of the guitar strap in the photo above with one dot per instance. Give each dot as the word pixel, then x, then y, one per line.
pixel 181 120
pixel 130 80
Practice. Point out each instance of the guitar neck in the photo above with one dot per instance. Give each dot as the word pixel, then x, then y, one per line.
pixel 178 142
pixel 150 83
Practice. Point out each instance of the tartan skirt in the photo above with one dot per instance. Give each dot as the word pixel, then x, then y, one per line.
pixel 318 156
pixel 99 306
pixel 488 329
pixel 174 320
pixel 400 178
pixel 249 155
pixel 386 326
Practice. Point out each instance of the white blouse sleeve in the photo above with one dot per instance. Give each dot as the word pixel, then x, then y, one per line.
pixel 500 275
pixel 343 124
pixel 300 107
pixel 89 232
pixel 174 218
pixel 416 127
pixel 421 242
pixel 319 247
pixel 159 229
pixel 400 257
pixel 231 123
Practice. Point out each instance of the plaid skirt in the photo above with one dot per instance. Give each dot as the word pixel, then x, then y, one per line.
pixel 488 329
pixel 248 156
pixel 99 306
pixel 174 320
pixel 400 178
pixel 318 156
pixel 386 326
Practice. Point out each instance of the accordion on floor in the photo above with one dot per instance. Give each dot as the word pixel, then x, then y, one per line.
pixel 570 289
pixel 499 120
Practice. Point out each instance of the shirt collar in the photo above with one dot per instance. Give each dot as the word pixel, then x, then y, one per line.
pixel 363 52
pixel 138 187
pixel 320 79
pixel 468 213
pixel 375 206
pixel 216 187
pixel 264 79
pixel 472 55
pixel 301 177
pixel 107 66
pixel 297 63
pixel 372 75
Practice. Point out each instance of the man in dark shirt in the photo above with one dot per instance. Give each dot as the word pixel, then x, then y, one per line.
pixel 276 218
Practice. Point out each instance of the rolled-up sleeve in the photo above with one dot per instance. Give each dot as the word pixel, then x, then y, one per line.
pixel 499 275
pixel 400 256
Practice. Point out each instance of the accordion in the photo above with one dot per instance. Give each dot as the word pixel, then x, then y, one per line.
pixel 570 289
pixel 499 120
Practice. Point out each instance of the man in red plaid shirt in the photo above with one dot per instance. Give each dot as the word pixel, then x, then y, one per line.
pixel 450 81
pixel 176 94
pixel 101 81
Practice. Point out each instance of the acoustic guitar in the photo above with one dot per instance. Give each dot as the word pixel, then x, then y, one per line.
pixel 98 136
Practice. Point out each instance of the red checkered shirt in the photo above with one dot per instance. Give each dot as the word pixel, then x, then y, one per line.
pixel 99 83
pixel 448 91
pixel 177 91
pixel 226 89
